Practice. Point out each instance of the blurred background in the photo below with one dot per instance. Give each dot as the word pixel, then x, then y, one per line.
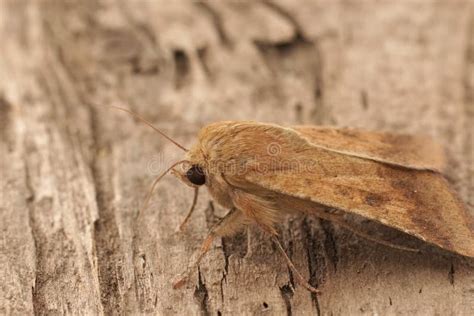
pixel 74 172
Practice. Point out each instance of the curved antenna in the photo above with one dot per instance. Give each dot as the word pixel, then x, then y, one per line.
pixel 149 124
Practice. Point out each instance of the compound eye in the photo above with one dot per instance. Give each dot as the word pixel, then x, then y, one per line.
pixel 196 175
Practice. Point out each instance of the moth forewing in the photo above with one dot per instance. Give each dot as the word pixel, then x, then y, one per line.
pixel 417 202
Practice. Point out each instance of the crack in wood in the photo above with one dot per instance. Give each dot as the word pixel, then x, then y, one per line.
pixel 316 262
pixel 225 250
pixel 321 114
pixel 287 290
pixel 299 113
pixel 106 235
pixel 287 293
pixel 364 99
pixel 35 235
pixel 291 278
pixel 182 68
pixel 330 243
pixel 232 245
pixel 142 275
pixel 451 274
pixel 221 285
pixel 201 295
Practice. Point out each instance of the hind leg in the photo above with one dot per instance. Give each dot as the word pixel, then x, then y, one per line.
pixel 290 264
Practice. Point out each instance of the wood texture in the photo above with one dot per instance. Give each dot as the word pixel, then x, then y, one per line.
pixel 74 172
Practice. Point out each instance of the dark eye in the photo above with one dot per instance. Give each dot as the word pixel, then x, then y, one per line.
pixel 196 175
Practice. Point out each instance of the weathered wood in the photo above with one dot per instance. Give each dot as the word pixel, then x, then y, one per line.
pixel 74 172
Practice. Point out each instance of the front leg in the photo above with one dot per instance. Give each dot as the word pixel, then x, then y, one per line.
pixel 231 223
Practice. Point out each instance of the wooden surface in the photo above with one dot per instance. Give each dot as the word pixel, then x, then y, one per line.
pixel 73 172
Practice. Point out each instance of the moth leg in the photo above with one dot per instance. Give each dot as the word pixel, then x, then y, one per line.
pixel 362 234
pixel 300 277
pixel 191 210
pixel 263 213
pixel 228 225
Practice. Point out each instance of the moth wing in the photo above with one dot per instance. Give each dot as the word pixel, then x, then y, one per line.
pixel 260 158
pixel 416 152
pixel 417 202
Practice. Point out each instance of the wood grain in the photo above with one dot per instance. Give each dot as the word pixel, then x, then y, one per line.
pixel 74 172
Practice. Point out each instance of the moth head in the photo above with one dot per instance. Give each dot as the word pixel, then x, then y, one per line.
pixel 192 171
pixel 202 165
pixel 191 174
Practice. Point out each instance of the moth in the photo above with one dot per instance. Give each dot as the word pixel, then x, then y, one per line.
pixel 261 171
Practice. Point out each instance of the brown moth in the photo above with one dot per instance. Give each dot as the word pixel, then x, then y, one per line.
pixel 261 172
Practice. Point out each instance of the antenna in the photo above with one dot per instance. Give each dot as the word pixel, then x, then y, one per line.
pixel 149 124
